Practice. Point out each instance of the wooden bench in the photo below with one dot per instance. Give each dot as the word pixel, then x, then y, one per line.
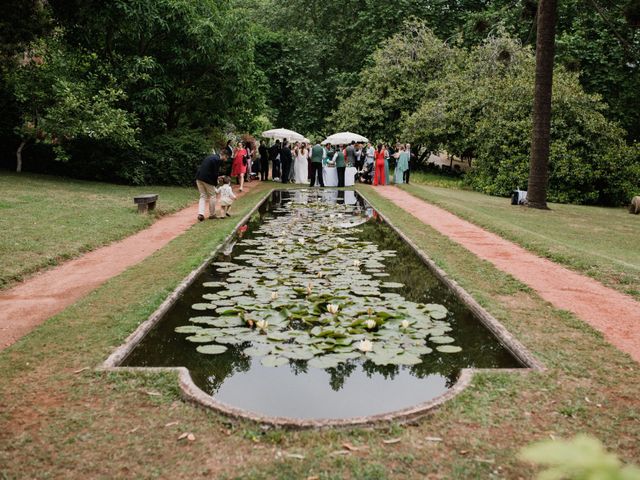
pixel 146 202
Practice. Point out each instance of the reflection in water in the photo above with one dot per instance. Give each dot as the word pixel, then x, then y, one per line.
pixel 352 389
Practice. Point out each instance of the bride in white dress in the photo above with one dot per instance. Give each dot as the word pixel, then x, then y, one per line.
pixel 301 167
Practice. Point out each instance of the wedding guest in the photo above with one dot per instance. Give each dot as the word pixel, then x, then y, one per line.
pixel 206 181
pixel 317 155
pixel 370 153
pixel 359 156
pixel 378 177
pixel 274 156
pixel 350 154
pixel 402 165
pixel 286 159
pixel 239 167
pixel 226 197
pixel 328 154
pixel 340 160
pixel 264 161
pixel 412 158
pixel 388 151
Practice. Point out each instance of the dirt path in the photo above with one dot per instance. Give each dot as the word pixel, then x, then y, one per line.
pixel 30 303
pixel 614 314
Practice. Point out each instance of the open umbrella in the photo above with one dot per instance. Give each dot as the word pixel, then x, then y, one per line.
pixel 283 134
pixel 343 138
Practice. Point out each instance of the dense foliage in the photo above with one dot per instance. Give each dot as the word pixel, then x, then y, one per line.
pixel 476 104
pixel 138 91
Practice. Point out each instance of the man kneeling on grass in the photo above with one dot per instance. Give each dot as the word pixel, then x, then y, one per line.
pixel 206 181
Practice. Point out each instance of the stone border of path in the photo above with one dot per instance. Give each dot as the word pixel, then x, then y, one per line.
pixel 30 303
pixel 615 315
pixel 192 393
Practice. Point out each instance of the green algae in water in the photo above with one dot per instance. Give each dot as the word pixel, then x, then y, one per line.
pixel 314 278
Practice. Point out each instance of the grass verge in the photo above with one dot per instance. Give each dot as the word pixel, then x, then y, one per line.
pixel 60 421
pixel 45 220
pixel 597 241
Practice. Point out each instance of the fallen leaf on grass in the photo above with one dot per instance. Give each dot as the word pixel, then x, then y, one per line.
pixel 339 452
pixel 189 436
pixel 171 424
pixel 315 477
pixel 81 370
pixel 463 452
pixel 433 439
pixel 391 441
pixel 133 430
pixel 153 394
pixel 295 455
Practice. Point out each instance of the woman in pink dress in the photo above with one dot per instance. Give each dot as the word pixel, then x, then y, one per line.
pixel 239 165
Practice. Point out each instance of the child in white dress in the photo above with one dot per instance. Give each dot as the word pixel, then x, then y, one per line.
pixel 226 196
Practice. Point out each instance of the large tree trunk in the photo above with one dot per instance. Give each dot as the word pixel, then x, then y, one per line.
pixel 19 156
pixel 538 170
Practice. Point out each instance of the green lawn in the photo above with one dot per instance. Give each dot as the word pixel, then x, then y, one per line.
pixel 44 220
pixel 59 419
pixel 601 242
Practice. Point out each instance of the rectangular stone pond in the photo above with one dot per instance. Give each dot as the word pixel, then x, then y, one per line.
pixel 318 309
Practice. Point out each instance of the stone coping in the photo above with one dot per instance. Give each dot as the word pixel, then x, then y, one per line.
pixel 192 393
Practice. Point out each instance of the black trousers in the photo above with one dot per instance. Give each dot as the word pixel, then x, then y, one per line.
pixel 316 172
pixel 341 176
pixel 405 176
pixel 286 170
pixel 275 171
pixel 264 168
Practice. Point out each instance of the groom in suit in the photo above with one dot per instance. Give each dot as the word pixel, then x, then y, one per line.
pixel 286 159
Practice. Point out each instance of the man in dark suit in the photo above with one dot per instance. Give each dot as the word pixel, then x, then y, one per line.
pixel 274 157
pixel 206 181
pixel 287 160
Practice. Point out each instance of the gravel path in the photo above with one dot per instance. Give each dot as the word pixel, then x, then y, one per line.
pixel 614 314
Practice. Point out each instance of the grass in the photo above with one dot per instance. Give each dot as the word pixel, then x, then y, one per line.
pixel 436 180
pixel 600 242
pixel 59 421
pixel 45 220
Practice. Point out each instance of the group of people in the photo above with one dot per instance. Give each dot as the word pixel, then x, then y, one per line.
pixel 298 163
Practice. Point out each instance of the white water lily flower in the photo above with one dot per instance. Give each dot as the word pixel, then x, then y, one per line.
pixel 274 295
pixel 301 241
pixel 405 323
pixel 309 288
pixel 356 263
pixel 340 240
pixel 370 323
pixel 281 241
pixel 320 274
pixel 365 346
pixel 262 324
pixel 331 308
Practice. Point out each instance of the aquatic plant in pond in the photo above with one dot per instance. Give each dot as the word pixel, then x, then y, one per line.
pixel 306 289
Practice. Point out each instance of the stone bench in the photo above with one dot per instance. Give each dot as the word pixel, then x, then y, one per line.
pixel 146 202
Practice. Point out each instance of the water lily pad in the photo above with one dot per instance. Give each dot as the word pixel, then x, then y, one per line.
pixel 324 361
pixel 203 306
pixel 188 329
pixel 442 339
pixel 448 349
pixel 258 350
pixel 274 361
pixel 393 285
pixel 211 349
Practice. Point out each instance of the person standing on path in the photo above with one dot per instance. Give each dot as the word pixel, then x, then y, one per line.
pixel 206 181
pixel 402 165
pixel 412 159
pixel 286 159
pixel 274 156
pixel 226 197
pixel 378 177
pixel 351 154
pixel 239 166
pixel 301 164
pixel 317 154
pixel 340 165
pixel 264 161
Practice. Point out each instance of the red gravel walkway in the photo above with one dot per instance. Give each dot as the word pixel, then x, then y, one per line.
pixel 614 314
pixel 30 303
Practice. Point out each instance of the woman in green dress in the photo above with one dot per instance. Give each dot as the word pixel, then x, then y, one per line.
pixel 402 165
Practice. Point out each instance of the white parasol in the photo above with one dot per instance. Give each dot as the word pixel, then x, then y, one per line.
pixel 344 138
pixel 283 134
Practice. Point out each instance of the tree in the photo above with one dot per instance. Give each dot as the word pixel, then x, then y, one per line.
pixel 538 173
pixel 65 95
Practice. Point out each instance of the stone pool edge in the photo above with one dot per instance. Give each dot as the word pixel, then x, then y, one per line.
pixel 193 394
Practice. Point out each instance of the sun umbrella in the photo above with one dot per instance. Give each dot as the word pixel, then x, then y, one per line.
pixel 343 138
pixel 283 134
